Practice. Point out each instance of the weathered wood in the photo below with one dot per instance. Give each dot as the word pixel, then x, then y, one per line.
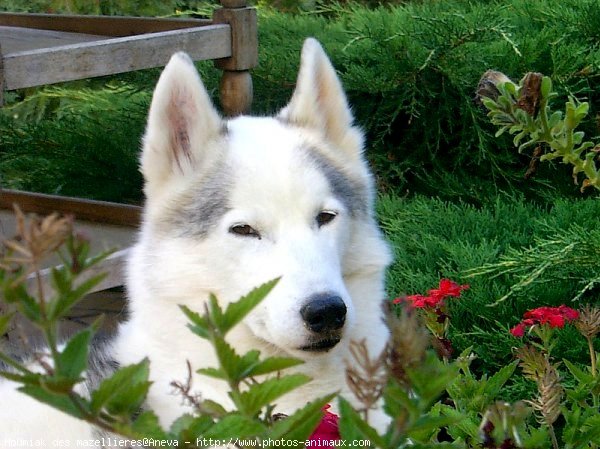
pixel 244 38
pixel 110 56
pixel 236 92
pixel 16 39
pixel 102 25
pixel 89 210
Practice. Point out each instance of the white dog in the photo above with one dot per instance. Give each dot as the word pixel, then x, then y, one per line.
pixel 230 205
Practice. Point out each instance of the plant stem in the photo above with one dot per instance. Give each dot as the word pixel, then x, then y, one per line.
pixel 46 324
pixel 553 436
pixel 592 355
pixel 547 136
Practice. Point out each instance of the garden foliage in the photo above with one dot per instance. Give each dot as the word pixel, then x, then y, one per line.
pixel 432 401
pixel 410 71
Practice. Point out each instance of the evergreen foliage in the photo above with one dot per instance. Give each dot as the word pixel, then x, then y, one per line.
pixel 436 239
pixel 75 142
pixel 410 71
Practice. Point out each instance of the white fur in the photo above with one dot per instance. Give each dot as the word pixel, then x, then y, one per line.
pixel 278 192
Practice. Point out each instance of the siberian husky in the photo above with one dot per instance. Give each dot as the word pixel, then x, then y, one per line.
pixel 231 204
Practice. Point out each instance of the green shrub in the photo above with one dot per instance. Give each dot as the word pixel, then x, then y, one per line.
pixel 435 239
pixel 76 142
pixel 411 71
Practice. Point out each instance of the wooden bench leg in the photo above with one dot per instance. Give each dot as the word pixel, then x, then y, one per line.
pixel 236 92
pixel 236 83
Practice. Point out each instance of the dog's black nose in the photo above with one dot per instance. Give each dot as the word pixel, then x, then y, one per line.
pixel 324 312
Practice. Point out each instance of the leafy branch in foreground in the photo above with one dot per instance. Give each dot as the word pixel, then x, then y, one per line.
pixel 115 405
pixel 523 109
pixel 430 401
pixel 20 266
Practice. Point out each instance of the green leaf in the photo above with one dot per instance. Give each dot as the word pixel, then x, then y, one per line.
pixel 500 131
pixel 212 408
pixel 26 304
pixel 462 426
pixel 578 373
pixel 124 391
pixel 215 313
pixel 147 425
pixel 236 311
pixel 430 379
pixel 259 395
pixel 73 360
pixel 67 300
pixel 546 86
pixel 397 401
pixel 489 104
pixel 495 383
pixel 273 364
pixel 301 424
pixel 199 325
pixel 4 322
pixel 189 427
pixel 62 279
pixel 354 428
pixel 213 372
pixel 236 368
pixel 61 402
pixel 27 377
pixel 231 363
pixel 235 426
pixel 425 426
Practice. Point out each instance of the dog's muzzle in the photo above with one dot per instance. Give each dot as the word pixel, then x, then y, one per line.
pixel 324 315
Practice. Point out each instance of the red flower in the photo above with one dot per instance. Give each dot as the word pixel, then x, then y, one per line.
pixel 568 313
pixel 435 298
pixel 552 316
pixel 447 288
pixel 327 431
pixel 518 331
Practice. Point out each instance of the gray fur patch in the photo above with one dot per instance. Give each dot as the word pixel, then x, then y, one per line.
pixel 200 210
pixel 352 193
pixel 101 364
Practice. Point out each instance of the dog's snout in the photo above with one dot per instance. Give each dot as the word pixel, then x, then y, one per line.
pixel 324 312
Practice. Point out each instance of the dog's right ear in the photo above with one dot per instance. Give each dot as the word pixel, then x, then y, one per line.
pixel 181 121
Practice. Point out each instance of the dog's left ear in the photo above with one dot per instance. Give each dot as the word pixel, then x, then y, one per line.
pixel 319 101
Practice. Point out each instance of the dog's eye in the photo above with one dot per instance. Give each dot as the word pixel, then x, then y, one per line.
pixel 244 230
pixel 325 217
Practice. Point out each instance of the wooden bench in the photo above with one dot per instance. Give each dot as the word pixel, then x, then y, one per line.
pixel 41 49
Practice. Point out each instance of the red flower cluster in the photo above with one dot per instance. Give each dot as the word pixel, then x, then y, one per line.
pixel 435 297
pixel 552 316
pixel 327 431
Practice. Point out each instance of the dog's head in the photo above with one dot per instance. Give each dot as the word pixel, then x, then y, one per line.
pixel 234 203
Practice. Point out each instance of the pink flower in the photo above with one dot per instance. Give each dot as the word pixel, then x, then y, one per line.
pixel 327 431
